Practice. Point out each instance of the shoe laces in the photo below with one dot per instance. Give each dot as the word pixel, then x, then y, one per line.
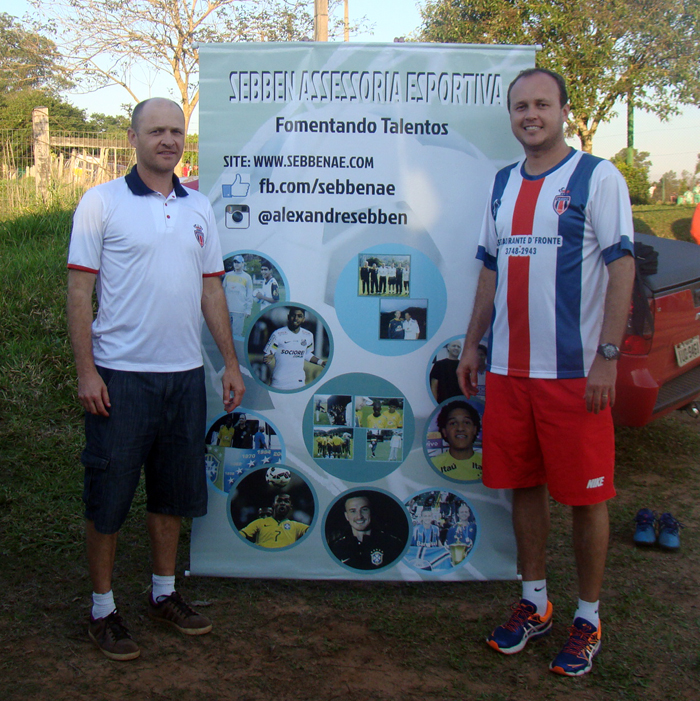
pixel 579 640
pixel 115 625
pixel 668 523
pixel 645 517
pixel 180 605
pixel 521 613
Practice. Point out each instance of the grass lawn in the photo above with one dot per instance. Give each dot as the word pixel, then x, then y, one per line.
pixel 664 220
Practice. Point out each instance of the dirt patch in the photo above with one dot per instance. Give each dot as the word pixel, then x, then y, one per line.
pixel 321 641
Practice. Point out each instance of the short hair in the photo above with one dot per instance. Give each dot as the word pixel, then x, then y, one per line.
pixel 357 495
pixel 561 83
pixel 265 264
pixel 443 416
pixel 292 310
pixel 136 114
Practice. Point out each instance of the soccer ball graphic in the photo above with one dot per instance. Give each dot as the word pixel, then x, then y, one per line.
pixel 278 476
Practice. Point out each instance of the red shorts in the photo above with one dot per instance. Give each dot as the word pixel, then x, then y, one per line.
pixel 539 432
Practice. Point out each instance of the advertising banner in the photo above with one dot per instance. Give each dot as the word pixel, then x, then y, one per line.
pixel 349 183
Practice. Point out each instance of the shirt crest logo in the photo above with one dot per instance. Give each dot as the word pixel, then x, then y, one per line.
pixel 287 526
pixel 303 341
pixel 561 201
pixel 199 234
pixel 377 557
pixel 494 207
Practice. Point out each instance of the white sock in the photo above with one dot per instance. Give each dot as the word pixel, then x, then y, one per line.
pixel 162 586
pixel 536 592
pixel 589 611
pixel 102 604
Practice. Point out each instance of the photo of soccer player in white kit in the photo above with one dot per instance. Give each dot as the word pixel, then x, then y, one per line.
pixel 292 356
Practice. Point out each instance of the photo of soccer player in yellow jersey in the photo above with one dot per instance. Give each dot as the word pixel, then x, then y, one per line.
pixel 272 513
pixel 276 531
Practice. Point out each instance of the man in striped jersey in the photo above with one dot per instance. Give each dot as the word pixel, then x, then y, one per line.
pixel 556 244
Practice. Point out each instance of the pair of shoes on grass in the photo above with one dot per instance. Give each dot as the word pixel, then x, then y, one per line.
pixel 651 530
pixel 525 624
pixel 112 637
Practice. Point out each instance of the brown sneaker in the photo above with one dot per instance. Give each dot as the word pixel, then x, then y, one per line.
pixel 112 637
pixel 175 611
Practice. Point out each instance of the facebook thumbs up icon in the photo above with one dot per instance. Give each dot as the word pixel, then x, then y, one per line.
pixel 238 188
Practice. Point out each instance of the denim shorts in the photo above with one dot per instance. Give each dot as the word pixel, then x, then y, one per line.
pixel 156 420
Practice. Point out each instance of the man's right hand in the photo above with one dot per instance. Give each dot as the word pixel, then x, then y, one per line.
pixel 467 372
pixel 93 394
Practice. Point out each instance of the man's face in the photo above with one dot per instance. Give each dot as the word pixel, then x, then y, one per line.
pixel 282 506
pixel 397 316
pixel 536 115
pixel 159 139
pixel 463 513
pixel 295 319
pixel 238 265
pixel 408 316
pixel 376 408
pixel 241 421
pixel 358 515
pixel 460 430
pixel 426 517
pixel 454 349
pixel 266 272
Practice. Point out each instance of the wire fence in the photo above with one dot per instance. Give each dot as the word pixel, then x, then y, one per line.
pixel 77 161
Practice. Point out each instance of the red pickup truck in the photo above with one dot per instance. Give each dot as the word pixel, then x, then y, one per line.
pixel 659 369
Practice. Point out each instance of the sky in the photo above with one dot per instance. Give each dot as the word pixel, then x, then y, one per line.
pixel 673 145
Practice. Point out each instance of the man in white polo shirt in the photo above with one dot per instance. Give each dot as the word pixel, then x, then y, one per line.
pixel 151 250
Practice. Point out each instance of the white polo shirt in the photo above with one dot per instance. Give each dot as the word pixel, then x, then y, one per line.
pixel 149 253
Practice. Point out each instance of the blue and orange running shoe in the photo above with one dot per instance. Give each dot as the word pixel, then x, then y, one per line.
pixel 669 538
pixel 524 624
pixel 645 533
pixel 576 657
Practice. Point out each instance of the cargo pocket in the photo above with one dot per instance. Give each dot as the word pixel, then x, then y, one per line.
pixel 93 485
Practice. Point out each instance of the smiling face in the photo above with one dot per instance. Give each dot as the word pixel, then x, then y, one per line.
pixel 463 514
pixel 159 137
pixel 459 432
pixel 357 514
pixel 454 349
pixel 426 517
pixel 537 116
pixel 295 319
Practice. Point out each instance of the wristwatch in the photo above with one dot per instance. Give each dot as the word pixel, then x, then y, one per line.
pixel 609 351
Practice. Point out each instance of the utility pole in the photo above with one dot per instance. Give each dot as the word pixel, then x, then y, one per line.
pixel 320 20
pixel 630 128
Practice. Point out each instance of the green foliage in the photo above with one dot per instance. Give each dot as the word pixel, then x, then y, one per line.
pixel 107 124
pixel 636 175
pixel 16 111
pixel 637 182
pixel 28 60
pixel 604 48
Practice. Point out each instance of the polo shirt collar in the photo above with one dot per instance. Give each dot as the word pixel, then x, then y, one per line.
pixel 138 187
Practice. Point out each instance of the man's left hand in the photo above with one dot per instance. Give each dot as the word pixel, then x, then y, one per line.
pixel 233 387
pixel 600 388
